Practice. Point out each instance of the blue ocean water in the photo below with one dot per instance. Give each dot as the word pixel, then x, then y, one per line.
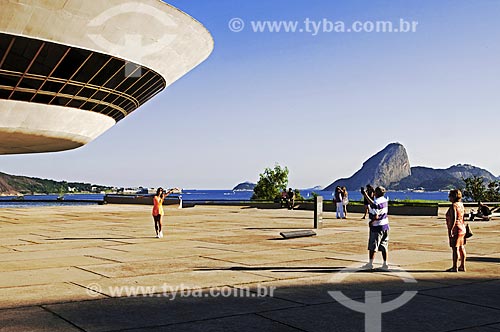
pixel 67 197
pixel 49 200
pixel 230 195
pixel 203 195
pixel 21 204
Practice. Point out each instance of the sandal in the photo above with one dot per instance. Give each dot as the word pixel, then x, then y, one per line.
pixel 452 269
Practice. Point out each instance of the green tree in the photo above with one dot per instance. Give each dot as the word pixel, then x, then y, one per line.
pixel 271 183
pixel 474 188
pixel 493 191
pixel 298 196
pixel 477 189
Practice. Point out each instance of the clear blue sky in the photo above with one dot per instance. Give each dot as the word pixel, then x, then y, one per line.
pixel 337 98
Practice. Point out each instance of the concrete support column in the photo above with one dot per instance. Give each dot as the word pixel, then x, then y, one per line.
pixel 318 212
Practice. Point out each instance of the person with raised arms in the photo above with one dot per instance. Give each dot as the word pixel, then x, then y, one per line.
pixel 378 239
pixel 158 212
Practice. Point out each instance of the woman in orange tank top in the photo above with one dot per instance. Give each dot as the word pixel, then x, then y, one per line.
pixel 158 210
pixel 456 230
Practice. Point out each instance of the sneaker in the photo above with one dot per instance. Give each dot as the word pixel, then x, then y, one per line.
pixel 385 267
pixel 367 266
pixel 161 234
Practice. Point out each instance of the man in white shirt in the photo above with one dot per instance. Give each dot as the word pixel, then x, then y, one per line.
pixel 379 226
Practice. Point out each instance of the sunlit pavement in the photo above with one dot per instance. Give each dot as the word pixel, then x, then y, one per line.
pixel 101 268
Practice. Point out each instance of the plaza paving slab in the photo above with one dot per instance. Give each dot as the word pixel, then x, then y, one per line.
pixel 100 268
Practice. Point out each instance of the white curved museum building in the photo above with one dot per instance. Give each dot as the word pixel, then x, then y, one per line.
pixel 71 69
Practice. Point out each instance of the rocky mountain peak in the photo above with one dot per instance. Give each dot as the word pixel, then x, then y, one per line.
pixel 387 166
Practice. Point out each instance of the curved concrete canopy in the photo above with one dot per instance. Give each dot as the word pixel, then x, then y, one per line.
pixel 149 33
pixel 29 127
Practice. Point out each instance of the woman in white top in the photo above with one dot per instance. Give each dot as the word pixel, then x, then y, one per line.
pixel 345 200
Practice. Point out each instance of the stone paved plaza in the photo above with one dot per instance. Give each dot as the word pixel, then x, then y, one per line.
pixel 100 268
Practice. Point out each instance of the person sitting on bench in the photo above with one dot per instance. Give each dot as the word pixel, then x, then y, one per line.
pixel 291 199
pixel 483 212
pixel 284 198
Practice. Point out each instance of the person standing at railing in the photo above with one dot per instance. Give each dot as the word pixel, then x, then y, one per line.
pixel 370 191
pixel 338 198
pixel 345 200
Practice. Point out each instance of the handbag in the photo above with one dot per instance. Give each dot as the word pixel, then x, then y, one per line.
pixel 468 232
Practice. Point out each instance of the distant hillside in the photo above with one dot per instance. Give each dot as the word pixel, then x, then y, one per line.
pixel 245 186
pixel 467 171
pixel 317 188
pixel 431 179
pixel 14 185
pixel 391 168
pixel 387 166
